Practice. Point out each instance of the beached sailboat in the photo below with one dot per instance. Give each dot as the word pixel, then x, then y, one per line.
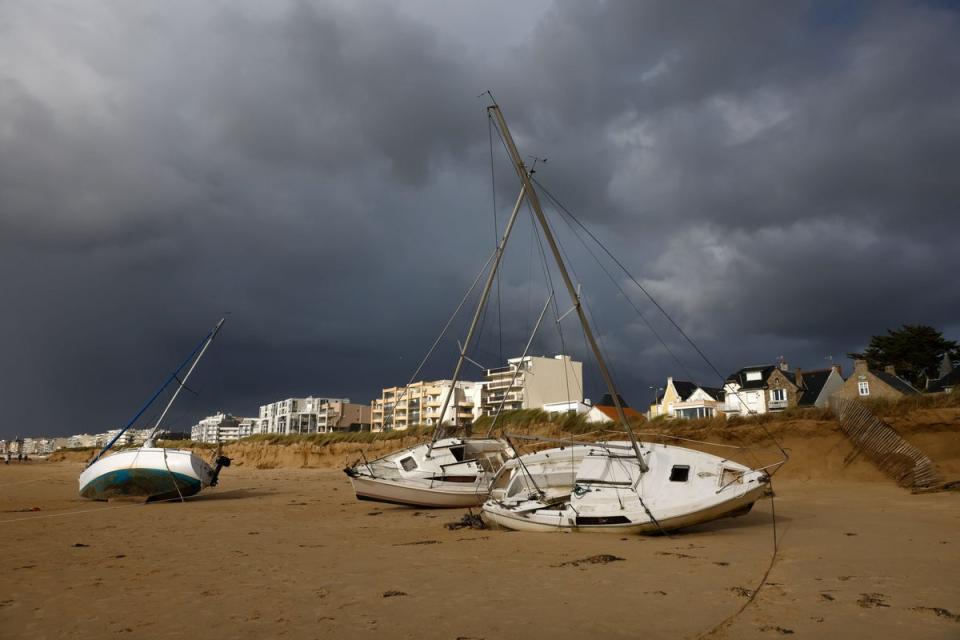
pixel 611 486
pixel 447 472
pixel 150 472
pixel 601 487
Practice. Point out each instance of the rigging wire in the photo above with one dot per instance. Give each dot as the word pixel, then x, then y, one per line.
pixel 629 300
pixel 773 557
pixel 556 309
pixel 586 308
pixel 443 332
pixel 653 300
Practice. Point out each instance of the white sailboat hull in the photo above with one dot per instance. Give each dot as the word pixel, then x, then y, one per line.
pixel 146 473
pixel 453 473
pixel 600 488
pixel 442 495
pixel 738 506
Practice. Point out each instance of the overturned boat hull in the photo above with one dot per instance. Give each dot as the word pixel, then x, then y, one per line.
pixel 146 474
pixel 600 488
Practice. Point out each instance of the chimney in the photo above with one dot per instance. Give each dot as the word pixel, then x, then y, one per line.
pixel 890 369
pixel 860 366
pixel 798 376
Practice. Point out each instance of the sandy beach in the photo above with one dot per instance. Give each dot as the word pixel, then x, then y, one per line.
pixel 289 552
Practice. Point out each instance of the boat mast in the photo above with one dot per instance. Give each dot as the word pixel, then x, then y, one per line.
pixel 156 394
pixel 477 314
pixel 571 289
pixel 183 383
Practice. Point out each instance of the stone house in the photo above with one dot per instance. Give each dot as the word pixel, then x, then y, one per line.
pixel 770 388
pixel 867 384
pixel 760 389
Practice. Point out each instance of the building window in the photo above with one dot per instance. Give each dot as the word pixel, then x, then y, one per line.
pixel 778 395
pixel 864 387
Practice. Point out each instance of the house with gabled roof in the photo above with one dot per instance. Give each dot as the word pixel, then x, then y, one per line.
pixel 771 388
pixel 816 386
pixel 704 402
pixel 685 399
pixel 673 392
pixel 760 389
pixel 947 381
pixel 866 383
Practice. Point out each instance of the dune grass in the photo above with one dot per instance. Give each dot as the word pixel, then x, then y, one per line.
pixel 908 404
pixel 327 439
pixel 534 420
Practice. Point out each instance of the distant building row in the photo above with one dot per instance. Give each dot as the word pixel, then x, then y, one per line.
pixel 293 415
pixel 772 388
pixel 531 382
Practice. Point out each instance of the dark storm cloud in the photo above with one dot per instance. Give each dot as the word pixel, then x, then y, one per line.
pixel 781 177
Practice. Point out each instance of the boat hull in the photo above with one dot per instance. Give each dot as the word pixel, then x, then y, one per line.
pixel 145 474
pixel 601 487
pixel 450 473
pixel 731 508
pixel 443 495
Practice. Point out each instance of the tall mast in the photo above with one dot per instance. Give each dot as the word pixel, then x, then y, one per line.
pixel 183 383
pixel 478 313
pixel 156 394
pixel 534 201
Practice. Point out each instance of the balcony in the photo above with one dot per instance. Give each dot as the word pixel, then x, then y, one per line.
pixel 493 372
pixel 777 405
pixel 505 383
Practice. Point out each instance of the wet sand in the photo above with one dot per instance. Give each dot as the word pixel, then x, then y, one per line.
pixel 291 553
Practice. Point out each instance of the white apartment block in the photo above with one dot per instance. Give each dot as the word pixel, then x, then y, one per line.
pixel 312 415
pixel 532 382
pixel 419 403
pixel 222 427
pixel 82 440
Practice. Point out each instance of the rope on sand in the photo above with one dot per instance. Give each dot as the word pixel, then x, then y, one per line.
pixel 121 506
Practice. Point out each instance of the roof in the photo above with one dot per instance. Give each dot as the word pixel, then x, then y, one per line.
pixel 740 377
pixel 714 392
pixel 813 382
pixel 896 382
pixel 684 388
pixel 940 384
pixel 611 412
pixel 607 400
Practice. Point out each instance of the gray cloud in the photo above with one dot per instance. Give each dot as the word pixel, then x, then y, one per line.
pixel 780 177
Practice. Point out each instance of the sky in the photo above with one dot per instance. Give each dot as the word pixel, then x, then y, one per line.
pixel 780 177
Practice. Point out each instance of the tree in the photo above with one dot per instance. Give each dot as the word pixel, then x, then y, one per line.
pixel 915 351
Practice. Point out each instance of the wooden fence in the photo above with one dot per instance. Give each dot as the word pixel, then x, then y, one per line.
pixel 881 443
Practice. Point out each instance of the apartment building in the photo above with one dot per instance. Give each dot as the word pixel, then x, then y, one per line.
pixel 532 382
pixel 222 427
pixel 419 403
pixel 313 415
